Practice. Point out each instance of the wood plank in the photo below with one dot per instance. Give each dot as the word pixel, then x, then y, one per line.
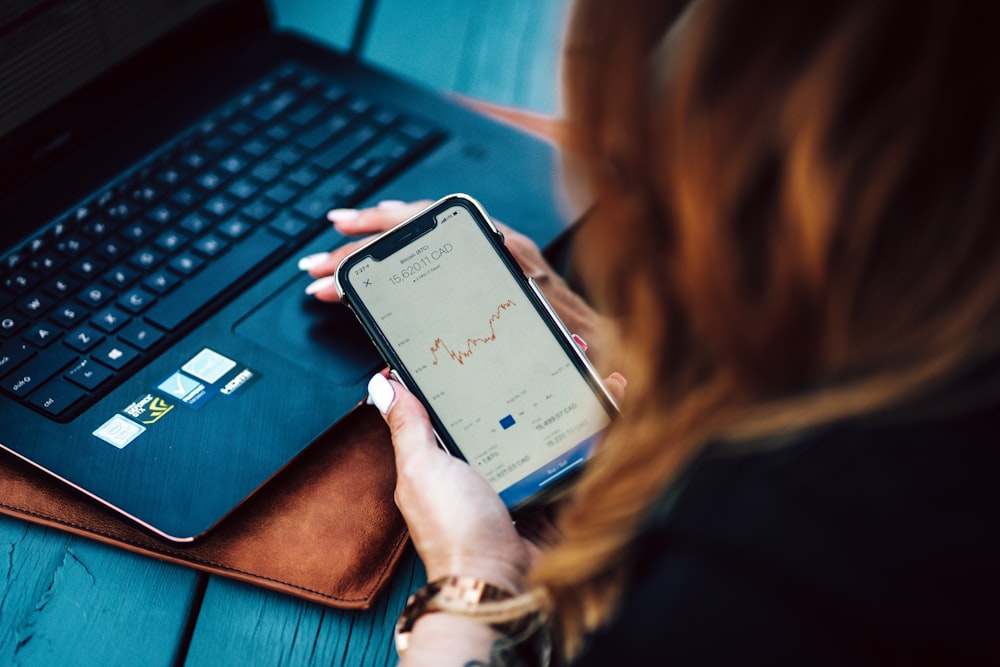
pixel 241 624
pixel 502 51
pixel 67 600
pixel 332 21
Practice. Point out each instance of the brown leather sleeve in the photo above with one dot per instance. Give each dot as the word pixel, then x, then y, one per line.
pixel 326 528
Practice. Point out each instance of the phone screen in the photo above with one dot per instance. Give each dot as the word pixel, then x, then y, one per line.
pixel 515 403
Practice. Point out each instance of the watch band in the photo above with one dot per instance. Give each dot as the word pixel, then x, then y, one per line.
pixel 461 592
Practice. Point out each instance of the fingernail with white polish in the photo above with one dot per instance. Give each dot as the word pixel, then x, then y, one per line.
pixel 341 215
pixel 309 261
pixel 321 284
pixel 390 203
pixel 381 392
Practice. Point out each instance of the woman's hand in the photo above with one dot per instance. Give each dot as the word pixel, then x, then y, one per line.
pixel 458 523
pixel 575 313
pixel 353 222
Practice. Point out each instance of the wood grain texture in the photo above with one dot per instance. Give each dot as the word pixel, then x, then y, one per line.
pixel 243 625
pixel 502 51
pixel 70 601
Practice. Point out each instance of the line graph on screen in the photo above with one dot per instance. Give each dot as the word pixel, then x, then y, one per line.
pixel 466 350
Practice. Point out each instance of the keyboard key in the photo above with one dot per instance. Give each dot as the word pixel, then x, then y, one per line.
pixel 162 214
pixel 289 155
pixel 186 264
pixel 88 268
pixel 61 287
pixel 323 132
pixel 288 224
pixel 42 335
pixel 140 335
pixel 306 113
pixel 416 130
pixel 87 374
pixel 160 282
pixel 210 245
pixel 173 310
pixel 122 211
pixel 279 132
pixel 109 320
pixel 46 263
pixel 20 281
pixel 83 339
pixel 234 164
pixel 112 250
pixel 241 128
pixel 71 246
pixel 186 197
pixel 95 295
pixel 13 354
pixel 275 106
pixel 259 209
pixel 303 176
pixel 12 321
pixel 218 142
pixel 219 206
pixel 171 241
pixel 56 397
pixel 121 277
pixel 268 170
pixel 244 188
pixel 234 228
pixel 194 160
pixel 282 193
pixel 196 223
pixel 257 147
pixel 145 194
pixel 12 261
pixel 209 181
pixel 136 232
pixel 171 175
pixel 145 259
pixel 69 315
pixel 35 305
pixel 343 148
pixel 115 354
pixel 136 300
pixel 37 370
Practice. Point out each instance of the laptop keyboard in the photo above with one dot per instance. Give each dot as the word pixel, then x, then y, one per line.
pixel 114 280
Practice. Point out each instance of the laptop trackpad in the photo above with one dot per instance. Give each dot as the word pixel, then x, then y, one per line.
pixel 318 337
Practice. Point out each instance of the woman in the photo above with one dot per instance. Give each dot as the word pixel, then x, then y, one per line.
pixel 796 237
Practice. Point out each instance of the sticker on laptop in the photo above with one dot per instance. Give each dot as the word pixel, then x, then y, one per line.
pixel 149 409
pixel 119 431
pixel 203 376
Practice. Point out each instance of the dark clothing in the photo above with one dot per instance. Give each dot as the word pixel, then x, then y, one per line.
pixel 868 542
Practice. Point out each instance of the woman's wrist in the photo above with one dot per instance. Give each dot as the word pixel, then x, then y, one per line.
pixel 505 576
pixel 436 636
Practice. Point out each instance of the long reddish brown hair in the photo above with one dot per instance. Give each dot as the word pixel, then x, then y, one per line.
pixel 796 221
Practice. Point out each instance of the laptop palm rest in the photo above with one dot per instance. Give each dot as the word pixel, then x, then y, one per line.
pixel 320 338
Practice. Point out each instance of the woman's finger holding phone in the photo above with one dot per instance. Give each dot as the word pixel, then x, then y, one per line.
pixel 353 222
pixel 473 537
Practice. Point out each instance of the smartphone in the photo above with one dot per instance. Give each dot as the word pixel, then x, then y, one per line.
pixel 459 324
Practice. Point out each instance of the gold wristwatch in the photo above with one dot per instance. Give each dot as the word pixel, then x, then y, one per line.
pixel 461 592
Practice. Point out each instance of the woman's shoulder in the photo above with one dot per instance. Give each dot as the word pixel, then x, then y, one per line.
pixel 872 537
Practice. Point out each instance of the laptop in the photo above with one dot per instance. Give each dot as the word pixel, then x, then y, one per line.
pixel 163 165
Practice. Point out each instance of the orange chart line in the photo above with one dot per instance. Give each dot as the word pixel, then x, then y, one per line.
pixel 461 355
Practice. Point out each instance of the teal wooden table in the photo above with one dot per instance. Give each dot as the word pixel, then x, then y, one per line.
pixel 65 600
